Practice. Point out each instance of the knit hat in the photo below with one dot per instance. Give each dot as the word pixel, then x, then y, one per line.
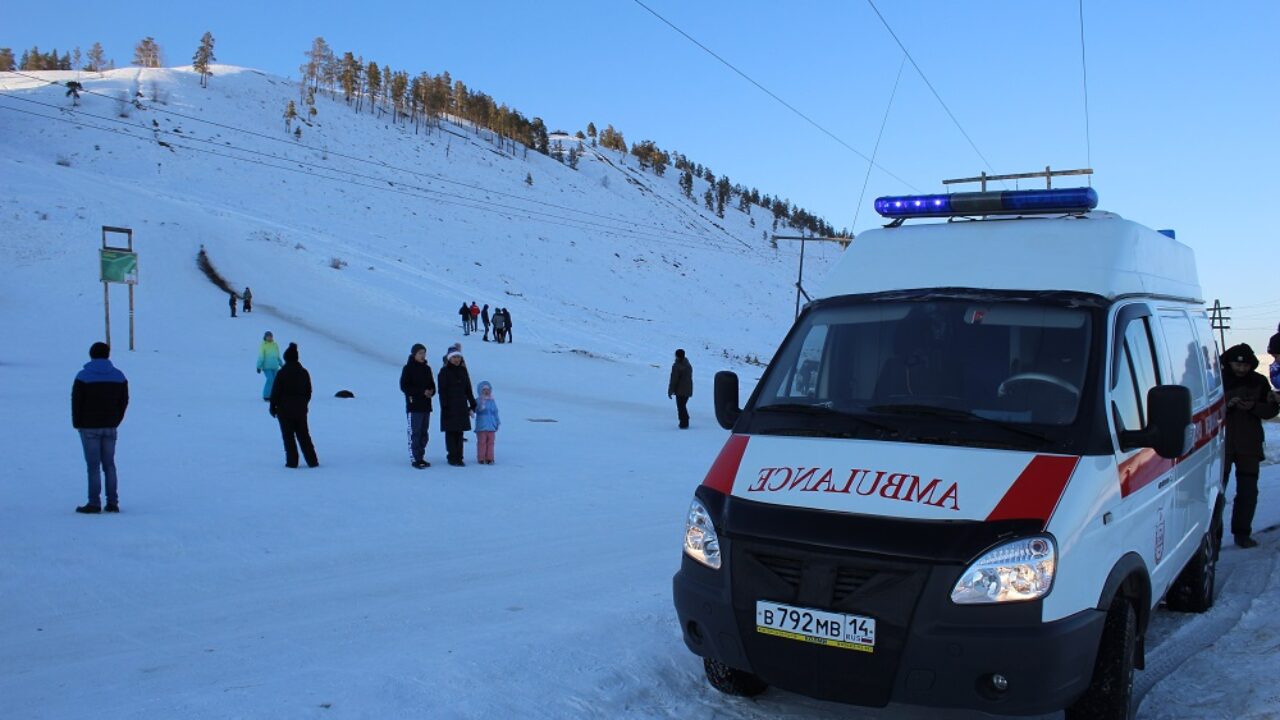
pixel 267 335
pixel 291 353
pixel 99 351
pixel 452 354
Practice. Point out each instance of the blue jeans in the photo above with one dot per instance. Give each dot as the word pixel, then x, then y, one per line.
pixel 100 456
pixel 266 387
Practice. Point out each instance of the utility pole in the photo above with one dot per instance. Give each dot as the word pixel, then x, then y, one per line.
pixel 800 276
pixel 1220 322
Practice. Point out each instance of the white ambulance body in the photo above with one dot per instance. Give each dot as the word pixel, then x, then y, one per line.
pixel 977 463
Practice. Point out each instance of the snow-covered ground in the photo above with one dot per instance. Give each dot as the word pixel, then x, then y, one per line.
pixel 538 587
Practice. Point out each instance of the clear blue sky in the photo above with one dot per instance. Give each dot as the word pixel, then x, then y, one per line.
pixel 1183 95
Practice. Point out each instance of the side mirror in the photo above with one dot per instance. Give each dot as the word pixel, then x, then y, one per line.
pixel 727 409
pixel 1168 431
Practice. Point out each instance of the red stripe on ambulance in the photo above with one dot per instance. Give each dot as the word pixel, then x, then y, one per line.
pixel 725 468
pixel 1035 493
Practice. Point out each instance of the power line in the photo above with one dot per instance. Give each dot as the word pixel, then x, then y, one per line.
pixel 424 194
pixel 930 85
pixel 1084 74
pixel 380 165
pixel 858 208
pixel 773 95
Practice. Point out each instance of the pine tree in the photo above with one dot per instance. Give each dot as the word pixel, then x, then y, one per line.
pixel 290 112
pixel 75 59
pixel 318 58
pixel 373 83
pixel 147 53
pixel 708 199
pixel 6 59
pixel 574 153
pixel 349 77
pixel 204 55
pixel 97 61
pixel 25 62
pixel 686 183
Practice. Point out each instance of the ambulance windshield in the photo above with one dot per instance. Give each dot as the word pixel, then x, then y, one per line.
pixel 1011 362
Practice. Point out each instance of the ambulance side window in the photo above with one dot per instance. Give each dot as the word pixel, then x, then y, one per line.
pixel 1133 374
pixel 803 380
pixel 1184 354
pixel 1209 352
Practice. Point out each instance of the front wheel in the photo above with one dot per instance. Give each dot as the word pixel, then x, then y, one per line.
pixel 1193 591
pixel 1110 692
pixel 732 682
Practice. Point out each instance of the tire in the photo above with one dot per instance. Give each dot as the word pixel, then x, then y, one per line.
pixel 1110 692
pixel 732 682
pixel 1194 589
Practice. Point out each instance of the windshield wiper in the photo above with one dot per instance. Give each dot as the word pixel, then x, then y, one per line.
pixel 935 411
pixel 808 409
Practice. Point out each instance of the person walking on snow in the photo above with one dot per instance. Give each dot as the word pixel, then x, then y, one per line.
pixel 1249 402
pixel 233 304
pixel 99 397
pixel 268 363
pixel 475 317
pixel 248 299
pixel 506 324
pixel 289 399
pixel 465 313
pixel 499 326
pixel 484 318
pixel 457 404
pixel 681 386
pixel 487 422
pixel 418 388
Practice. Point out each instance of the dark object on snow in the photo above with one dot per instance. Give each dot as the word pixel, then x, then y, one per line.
pixel 344 394
pixel 248 300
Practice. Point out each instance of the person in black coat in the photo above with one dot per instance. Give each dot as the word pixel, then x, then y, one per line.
pixel 290 396
pixel 465 313
pixel 1249 402
pixel 418 387
pixel 99 397
pixel 681 386
pixel 484 318
pixel 457 404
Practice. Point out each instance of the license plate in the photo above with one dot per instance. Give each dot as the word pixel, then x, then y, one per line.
pixel 851 632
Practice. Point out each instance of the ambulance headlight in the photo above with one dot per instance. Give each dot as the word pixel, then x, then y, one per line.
pixel 1018 570
pixel 700 540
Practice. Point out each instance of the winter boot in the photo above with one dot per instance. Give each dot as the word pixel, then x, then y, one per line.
pixel 89 509
pixel 112 507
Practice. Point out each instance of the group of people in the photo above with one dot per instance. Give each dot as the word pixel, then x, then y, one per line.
pixel 458 404
pixel 473 315
pixel 247 297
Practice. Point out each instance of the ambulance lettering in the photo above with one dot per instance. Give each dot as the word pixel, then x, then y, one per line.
pixel 903 487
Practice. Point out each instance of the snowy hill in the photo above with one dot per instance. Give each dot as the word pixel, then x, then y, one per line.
pixel 538 587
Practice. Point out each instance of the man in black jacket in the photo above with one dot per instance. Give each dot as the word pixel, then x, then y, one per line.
pixel 681 386
pixel 1249 402
pixel 418 387
pixel 457 403
pixel 290 396
pixel 99 397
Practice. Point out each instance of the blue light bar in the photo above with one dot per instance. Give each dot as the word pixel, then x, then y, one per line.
pixel 1008 202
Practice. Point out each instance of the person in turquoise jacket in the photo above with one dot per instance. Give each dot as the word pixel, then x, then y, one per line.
pixel 487 422
pixel 268 363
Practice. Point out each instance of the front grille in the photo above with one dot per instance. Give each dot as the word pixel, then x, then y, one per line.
pixel 848 579
pixel 786 568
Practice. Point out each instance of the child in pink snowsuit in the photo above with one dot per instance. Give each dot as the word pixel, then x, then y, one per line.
pixel 487 422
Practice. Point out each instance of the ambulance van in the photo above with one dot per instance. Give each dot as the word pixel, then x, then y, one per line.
pixel 979 461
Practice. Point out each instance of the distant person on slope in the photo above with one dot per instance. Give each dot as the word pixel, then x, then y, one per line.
pixel 1273 349
pixel 233 304
pixel 506 318
pixel 289 399
pixel 268 363
pixel 1249 402
pixel 99 397
pixel 487 422
pixel 465 313
pixel 681 386
pixel 248 300
pixel 484 318
pixel 418 387
pixel 499 326
pixel 457 403
pixel 475 317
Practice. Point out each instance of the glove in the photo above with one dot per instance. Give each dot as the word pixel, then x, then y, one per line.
pixel 259 371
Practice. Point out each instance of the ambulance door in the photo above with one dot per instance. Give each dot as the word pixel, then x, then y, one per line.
pixel 1189 366
pixel 1150 521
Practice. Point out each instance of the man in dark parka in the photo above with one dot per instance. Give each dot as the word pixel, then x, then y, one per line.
pixel 290 396
pixel 457 403
pixel 1249 402
pixel 681 386
pixel 418 387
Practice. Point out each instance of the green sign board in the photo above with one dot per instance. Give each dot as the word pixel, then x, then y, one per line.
pixel 119 266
